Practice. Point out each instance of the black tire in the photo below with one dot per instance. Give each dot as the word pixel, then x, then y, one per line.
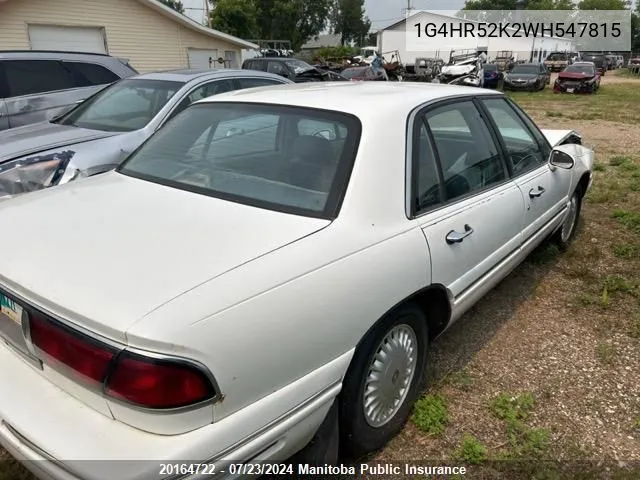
pixel 563 238
pixel 358 437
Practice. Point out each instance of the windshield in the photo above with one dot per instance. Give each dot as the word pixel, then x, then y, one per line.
pixel 290 159
pixel 557 57
pixel 491 68
pixel 298 65
pixel 588 69
pixel 526 69
pixel 125 106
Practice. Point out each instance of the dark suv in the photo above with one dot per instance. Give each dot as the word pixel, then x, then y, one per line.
pixel 35 86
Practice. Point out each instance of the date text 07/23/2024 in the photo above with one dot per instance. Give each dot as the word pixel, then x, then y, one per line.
pixel 283 469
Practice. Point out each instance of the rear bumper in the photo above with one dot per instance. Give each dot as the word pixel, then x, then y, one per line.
pixel 57 437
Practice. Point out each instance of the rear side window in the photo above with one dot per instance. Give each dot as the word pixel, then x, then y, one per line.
pixel 28 77
pixel 89 74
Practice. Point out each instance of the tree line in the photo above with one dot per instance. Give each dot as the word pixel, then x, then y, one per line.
pixel 298 21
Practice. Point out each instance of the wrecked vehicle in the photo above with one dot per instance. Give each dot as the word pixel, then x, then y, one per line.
pixel 293 69
pixel 360 74
pixel 598 59
pixel 581 77
pixel 504 59
pixel 557 61
pixel 526 76
pixel 97 135
pixel 460 65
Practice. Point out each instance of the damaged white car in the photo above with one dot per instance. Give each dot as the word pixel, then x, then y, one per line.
pixel 270 265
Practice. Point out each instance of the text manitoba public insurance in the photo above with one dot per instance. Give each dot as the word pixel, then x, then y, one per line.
pixel 381 469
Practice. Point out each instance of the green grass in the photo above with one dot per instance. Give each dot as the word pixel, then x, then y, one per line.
pixel 471 450
pixel 627 251
pixel 430 414
pixel 511 408
pixel 629 219
pixel 610 103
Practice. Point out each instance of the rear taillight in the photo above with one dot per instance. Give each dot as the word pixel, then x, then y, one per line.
pixel 137 379
pixel 157 384
pixel 64 346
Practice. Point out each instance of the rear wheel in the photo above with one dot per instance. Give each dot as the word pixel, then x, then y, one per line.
pixel 383 381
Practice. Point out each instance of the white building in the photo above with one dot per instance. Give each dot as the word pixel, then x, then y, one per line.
pixel 394 38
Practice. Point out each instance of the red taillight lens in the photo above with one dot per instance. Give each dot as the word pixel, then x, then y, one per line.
pixel 137 379
pixel 62 345
pixel 157 384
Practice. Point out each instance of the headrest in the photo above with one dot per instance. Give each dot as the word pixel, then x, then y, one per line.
pixel 312 148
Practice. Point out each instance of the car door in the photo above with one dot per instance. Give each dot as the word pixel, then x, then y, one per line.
pixel 467 207
pixel 38 89
pixel 545 191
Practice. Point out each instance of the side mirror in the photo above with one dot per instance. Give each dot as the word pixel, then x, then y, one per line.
pixel 561 159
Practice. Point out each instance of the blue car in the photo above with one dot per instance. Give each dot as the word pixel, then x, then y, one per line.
pixel 492 75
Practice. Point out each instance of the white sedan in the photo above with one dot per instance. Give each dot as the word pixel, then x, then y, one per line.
pixel 269 265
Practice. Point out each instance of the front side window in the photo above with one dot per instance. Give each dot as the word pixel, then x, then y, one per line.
pixel 523 149
pixel 275 157
pixel 278 68
pixel 469 158
pixel 125 106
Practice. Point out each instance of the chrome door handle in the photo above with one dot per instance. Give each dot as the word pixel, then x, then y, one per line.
pixel 457 237
pixel 534 194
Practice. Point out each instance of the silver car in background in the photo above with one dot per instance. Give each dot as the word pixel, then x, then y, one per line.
pixel 36 86
pixel 98 134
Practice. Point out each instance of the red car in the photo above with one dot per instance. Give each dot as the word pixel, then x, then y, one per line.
pixel 579 77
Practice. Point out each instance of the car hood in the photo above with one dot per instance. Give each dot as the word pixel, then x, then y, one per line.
pixel 457 69
pixel 40 137
pixel 574 76
pixel 556 137
pixel 107 250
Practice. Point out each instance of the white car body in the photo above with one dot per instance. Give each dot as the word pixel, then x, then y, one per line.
pixel 271 303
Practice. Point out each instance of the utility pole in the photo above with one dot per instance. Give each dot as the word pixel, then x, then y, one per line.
pixel 207 14
pixel 409 8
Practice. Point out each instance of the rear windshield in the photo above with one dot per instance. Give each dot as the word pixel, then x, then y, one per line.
pixel 290 159
pixel 557 57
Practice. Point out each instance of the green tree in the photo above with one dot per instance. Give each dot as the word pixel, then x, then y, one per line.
pixel 603 4
pixel 512 4
pixel 236 17
pixel 175 4
pixel 293 20
pixel 350 21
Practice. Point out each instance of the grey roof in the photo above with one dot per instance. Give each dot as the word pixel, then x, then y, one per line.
pixel 331 40
pixel 186 75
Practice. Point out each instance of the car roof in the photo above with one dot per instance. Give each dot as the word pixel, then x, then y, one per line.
pixel 363 99
pixel 276 59
pixel 590 64
pixel 528 64
pixel 186 75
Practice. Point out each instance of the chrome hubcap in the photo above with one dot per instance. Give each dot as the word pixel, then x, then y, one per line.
pixel 389 375
pixel 570 222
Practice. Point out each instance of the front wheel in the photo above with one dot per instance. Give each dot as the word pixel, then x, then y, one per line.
pixel 565 235
pixel 383 381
